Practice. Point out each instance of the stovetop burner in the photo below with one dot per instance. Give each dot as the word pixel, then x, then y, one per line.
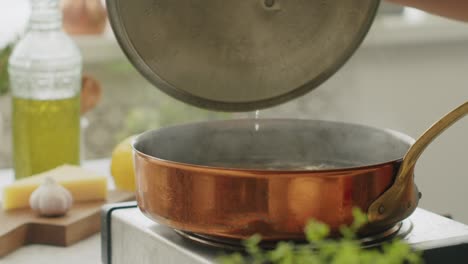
pixel 400 230
pixel 130 237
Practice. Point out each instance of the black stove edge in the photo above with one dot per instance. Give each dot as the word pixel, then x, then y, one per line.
pixel 106 214
pixel 452 250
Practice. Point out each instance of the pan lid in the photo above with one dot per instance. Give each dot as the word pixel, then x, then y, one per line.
pixel 239 55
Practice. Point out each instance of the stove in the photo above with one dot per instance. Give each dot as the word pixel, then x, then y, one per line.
pixel 130 237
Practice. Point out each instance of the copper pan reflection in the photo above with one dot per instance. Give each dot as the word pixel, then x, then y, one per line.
pixel 181 185
pixel 239 203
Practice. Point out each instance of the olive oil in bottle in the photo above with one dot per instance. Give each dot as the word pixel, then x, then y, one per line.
pixel 46 134
pixel 45 76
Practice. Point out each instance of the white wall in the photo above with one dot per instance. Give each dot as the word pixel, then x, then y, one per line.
pixel 408 73
pixel 406 82
pixel 405 76
pixel 408 88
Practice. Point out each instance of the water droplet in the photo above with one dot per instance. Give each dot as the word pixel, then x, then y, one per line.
pixel 257 114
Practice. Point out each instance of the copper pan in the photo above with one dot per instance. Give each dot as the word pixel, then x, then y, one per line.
pixel 236 178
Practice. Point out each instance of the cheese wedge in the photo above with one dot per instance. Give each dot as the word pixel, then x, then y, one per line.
pixel 83 185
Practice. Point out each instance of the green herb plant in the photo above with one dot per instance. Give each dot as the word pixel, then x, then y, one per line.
pixel 320 250
pixel 4 55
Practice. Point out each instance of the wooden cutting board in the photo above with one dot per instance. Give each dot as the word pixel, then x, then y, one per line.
pixel 23 226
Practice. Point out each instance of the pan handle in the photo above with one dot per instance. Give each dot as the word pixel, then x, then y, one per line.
pixel 401 199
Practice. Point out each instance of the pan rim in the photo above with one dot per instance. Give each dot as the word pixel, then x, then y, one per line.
pixel 256 172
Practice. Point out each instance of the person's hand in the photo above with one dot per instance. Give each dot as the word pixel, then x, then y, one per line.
pixel 454 9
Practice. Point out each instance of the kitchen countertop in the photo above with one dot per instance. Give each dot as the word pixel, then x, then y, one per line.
pixel 86 251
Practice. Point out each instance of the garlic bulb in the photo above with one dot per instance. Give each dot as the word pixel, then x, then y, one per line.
pixel 50 199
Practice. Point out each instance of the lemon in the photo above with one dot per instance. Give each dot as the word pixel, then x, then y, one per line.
pixel 122 168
